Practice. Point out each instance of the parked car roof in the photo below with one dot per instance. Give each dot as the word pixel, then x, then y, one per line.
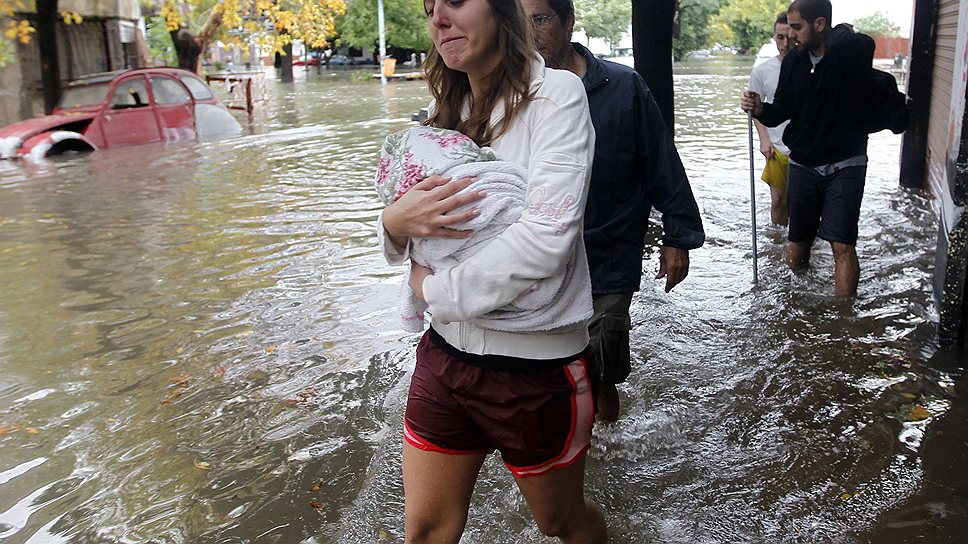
pixel 97 78
pixel 102 77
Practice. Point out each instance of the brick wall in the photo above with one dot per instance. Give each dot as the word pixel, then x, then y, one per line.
pixel 886 48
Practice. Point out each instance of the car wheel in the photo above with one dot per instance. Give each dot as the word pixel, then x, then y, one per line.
pixel 58 142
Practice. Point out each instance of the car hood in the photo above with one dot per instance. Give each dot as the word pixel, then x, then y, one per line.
pixel 27 128
pixel 12 136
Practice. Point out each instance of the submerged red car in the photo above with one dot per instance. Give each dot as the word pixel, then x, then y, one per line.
pixel 127 107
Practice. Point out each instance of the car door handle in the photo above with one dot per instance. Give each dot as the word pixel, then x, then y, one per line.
pixel 107 118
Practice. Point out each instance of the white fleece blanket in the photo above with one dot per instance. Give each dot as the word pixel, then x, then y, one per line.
pixel 409 156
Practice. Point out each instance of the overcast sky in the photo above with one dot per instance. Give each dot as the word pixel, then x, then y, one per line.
pixel 898 11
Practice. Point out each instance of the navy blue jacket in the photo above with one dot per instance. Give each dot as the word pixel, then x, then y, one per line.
pixel 828 105
pixel 636 167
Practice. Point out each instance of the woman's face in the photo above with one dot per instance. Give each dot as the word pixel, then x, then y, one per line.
pixel 465 35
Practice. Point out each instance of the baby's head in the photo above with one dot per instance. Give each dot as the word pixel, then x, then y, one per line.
pixel 409 156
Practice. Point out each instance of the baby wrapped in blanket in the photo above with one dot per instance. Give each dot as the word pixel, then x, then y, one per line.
pixel 409 156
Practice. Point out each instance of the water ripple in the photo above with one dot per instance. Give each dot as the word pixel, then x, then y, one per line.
pixel 193 338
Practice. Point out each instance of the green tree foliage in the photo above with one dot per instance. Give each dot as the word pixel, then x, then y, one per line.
pixel 405 20
pixel 272 24
pixel 13 29
pixel 605 19
pixel 877 25
pixel 692 22
pixel 8 52
pixel 159 41
pixel 746 24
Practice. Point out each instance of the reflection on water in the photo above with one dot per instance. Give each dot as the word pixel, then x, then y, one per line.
pixel 198 343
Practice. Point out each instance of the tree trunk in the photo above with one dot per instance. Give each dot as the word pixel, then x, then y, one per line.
pixel 210 28
pixel 286 67
pixel 49 59
pixel 188 47
pixel 652 22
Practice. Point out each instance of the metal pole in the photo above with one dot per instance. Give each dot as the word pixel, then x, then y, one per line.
pixel 749 121
pixel 383 42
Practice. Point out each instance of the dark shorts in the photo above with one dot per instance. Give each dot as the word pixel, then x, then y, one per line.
pixel 825 206
pixel 609 332
pixel 538 421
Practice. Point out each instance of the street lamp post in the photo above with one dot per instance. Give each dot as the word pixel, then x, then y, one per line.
pixel 383 42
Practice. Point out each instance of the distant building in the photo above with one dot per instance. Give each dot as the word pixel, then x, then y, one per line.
pixel 888 48
pixel 110 37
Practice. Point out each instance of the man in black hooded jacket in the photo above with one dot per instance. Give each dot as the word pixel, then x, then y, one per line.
pixel 825 91
pixel 636 166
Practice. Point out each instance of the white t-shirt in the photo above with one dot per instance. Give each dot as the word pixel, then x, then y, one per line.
pixel 763 81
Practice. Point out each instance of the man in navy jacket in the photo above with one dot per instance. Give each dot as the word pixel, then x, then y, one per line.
pixel 636 167
pixel 825 90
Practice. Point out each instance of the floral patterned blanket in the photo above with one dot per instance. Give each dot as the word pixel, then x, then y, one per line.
pixel 409 156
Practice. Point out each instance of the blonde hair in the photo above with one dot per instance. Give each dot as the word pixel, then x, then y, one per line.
pixel 509 83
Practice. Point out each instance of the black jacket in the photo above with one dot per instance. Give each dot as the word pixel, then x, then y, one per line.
pixel 828 106
pixel 636 166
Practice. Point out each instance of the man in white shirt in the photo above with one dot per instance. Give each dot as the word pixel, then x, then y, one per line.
pixel 763 81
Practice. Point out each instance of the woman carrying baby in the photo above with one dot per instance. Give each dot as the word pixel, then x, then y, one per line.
pixel 486 379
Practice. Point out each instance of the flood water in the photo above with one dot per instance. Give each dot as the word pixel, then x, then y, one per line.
pixel 199 343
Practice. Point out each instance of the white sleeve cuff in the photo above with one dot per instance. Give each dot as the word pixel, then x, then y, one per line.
pixel 391 252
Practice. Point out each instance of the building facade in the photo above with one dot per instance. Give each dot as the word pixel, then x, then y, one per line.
pixel 935 150
pixel 109 37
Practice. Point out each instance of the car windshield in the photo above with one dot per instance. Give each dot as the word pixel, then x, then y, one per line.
pixel 83 95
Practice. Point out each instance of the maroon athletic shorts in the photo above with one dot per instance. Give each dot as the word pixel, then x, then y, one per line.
pixel 539 420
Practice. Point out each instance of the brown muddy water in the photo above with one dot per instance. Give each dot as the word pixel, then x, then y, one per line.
pixel 198 343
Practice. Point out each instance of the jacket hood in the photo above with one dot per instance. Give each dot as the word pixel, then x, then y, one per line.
pixel 840 32
pixel 840 37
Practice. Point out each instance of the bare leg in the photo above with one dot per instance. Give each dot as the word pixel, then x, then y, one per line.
pixel 778 206
pixel 798 254
pixel 557 500
pixel 608 403
pixel 846 269
pixel 437 491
